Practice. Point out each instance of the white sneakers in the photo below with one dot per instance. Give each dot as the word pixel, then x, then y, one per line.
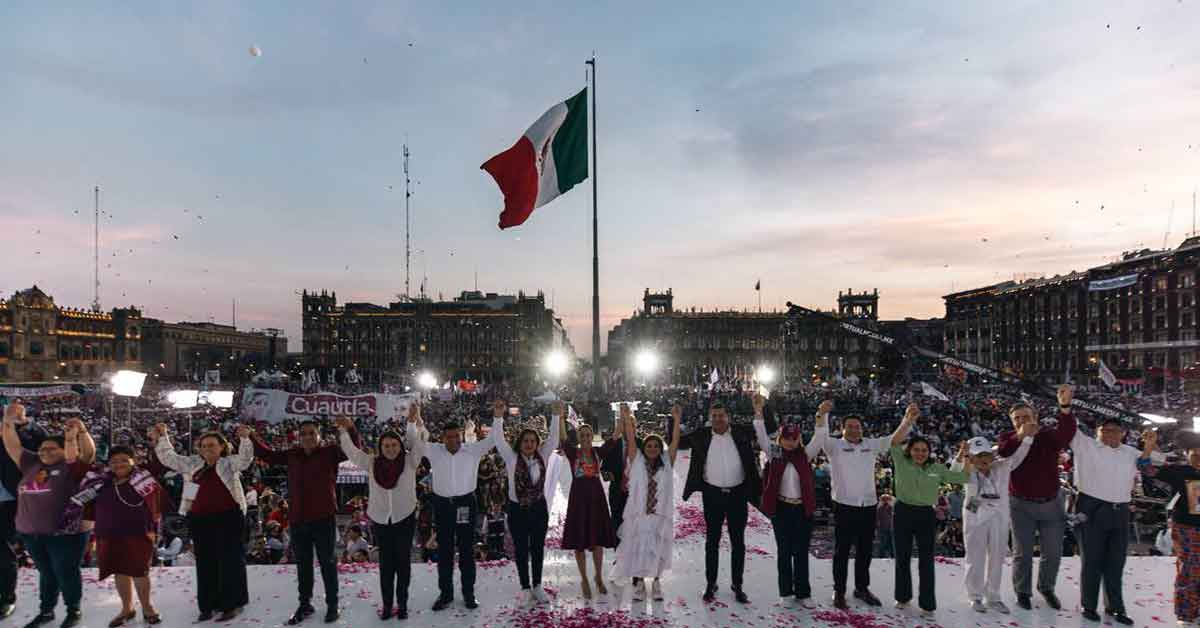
pixel 539 594
pixel 998 606
pixel 639 591
pixel 978 606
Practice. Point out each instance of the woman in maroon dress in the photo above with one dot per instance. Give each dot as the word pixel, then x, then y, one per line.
pixel 588 525
pixel 126 500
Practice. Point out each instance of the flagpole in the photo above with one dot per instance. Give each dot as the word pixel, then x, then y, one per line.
pixel 595 250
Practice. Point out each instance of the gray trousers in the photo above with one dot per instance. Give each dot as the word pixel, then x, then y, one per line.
pixel 1048 522
pixel 1104 539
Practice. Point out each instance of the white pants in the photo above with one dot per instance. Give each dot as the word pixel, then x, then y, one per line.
pixel 987 545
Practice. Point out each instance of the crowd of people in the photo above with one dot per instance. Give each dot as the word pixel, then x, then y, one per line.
pixel 470 478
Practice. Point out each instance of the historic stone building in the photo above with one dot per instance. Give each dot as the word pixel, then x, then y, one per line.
pixel 189 350
pixel 484 337
pixel 42 342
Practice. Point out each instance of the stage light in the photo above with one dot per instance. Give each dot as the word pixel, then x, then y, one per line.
pixel 426 380
pixel 127 383
pixel 765 374
pixel 556 363
pixel 183 399
pixel 220 398
pixel 646 362
pixel 1157 419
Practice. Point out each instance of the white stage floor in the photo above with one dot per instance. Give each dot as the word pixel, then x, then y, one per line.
pixel 1148 593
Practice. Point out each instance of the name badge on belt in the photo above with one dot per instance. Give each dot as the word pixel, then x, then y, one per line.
pixel 463 515
pixel 190 490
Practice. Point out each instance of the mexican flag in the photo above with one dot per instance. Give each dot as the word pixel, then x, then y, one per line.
pixel 549 159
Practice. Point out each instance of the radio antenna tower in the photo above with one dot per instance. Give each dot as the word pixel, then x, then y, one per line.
pixel 407 239
pixel 96 249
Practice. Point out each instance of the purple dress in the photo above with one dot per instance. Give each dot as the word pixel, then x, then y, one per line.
pixel 588 523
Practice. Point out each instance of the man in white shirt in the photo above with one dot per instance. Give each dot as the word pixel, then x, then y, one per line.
pixel 724 469
pixel 852 461
pixel 454 468
pixel 1105 473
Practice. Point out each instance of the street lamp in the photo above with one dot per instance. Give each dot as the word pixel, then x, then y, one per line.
pixel 426 380
pixel 556 363
pixel 765 375
pixel 645 362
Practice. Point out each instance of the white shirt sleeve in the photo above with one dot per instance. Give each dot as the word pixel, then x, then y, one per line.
pixel 551 443
pixel 760 431
pixel 506 453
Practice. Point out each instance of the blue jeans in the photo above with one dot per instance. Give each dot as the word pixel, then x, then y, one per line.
pixel 58 558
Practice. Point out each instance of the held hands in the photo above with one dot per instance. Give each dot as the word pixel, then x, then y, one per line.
pixel 71 430
pixel 963 450
pixel 759 403
pixel 1066 393
pixel 912 413
pixel 161 430
pixel 1151 440
pixel 825 408
pixel 344 423
pixel 14 414
pixel 414 415
pixel 74 426
pixel 677 414
pixel 498 409
pixel 558 409
pixel 243 432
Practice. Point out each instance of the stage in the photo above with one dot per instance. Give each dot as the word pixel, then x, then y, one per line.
pixel 1148 587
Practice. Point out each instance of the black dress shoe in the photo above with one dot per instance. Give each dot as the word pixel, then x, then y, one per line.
pixel 1119 616
pixel 205 616
pixel 304 612
pixel 710 593
pixel 469 602
pixel 332 614
pixel 1024 601
pixel 72 619
pixel 386 613
pixel 839 601
pixel 442 603
pixel 740 596
pixel 868 597
pixel 230 614
pixel 42 618
pixel 1052 600
pixel 1090 615
pixel 402 612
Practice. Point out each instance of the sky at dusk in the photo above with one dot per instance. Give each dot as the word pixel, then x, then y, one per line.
pixel 913 147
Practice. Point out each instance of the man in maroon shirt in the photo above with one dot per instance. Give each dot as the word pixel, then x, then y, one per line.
pixel 1037 505
pixel 312 491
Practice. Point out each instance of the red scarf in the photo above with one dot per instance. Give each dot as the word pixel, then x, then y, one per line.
pixel 387 472
pixel 773 478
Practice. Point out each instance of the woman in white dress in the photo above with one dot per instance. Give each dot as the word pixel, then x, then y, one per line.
pixel 648 529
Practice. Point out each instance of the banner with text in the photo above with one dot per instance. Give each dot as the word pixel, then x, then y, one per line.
pixel 275 406
pixel 1112 284
pixel 35 391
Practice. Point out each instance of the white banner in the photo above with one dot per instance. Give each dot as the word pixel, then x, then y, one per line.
pixel 275 406
pixel 1107 376
pixel 930 391
pixel 1112 284
pixel 41 391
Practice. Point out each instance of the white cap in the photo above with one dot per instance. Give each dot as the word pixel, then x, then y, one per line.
pixel 979 445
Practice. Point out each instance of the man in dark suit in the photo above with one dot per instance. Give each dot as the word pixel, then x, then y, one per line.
pixel 614 468
pixel 724 470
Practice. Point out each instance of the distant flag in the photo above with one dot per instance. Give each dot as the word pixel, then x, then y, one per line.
pixel 1106 376
pixel 714 377
pixel 549 159
pixel 930 391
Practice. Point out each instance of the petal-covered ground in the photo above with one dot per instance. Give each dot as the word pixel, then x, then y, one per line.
pixel 1148 586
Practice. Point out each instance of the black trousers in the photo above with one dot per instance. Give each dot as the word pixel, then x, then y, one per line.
pixel 220 560
pixel 854 526
pixel 1103 540
pixel 528 525
pixel 919 522
pixel 454 537
pixel 725 507
pixel 616 504
pixel 318 535
pixel 395 541
pixel 793 530
pixel 8 560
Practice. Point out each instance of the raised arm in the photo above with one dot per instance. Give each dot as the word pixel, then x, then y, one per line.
pixel 1067 427
pixel 71 442
pixel 358 457
pixel 1025 434
pixel 245 453
pixel 13 414
pixel 265 452
pixel 629 431
pixel 1149 443
pixel 84 442
pixel 416 436
pixel 494 439
pixel 911 414
pixel 166 452
pixel 760 424
pixel 676 420
pixel 553 437
pixel 820 436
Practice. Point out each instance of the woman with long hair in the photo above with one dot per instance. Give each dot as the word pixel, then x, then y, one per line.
pixel 527 462
pixel 215 505
pixel 392 503
pixel 648 525
pixel 1184 480
pixel 588 525
pixel 126 501
pixel 917 480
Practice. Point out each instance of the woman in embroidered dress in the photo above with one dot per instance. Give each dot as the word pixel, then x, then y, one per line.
pixel 588 525
pixel 127 517
pixel 526 463
pixel 648 527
